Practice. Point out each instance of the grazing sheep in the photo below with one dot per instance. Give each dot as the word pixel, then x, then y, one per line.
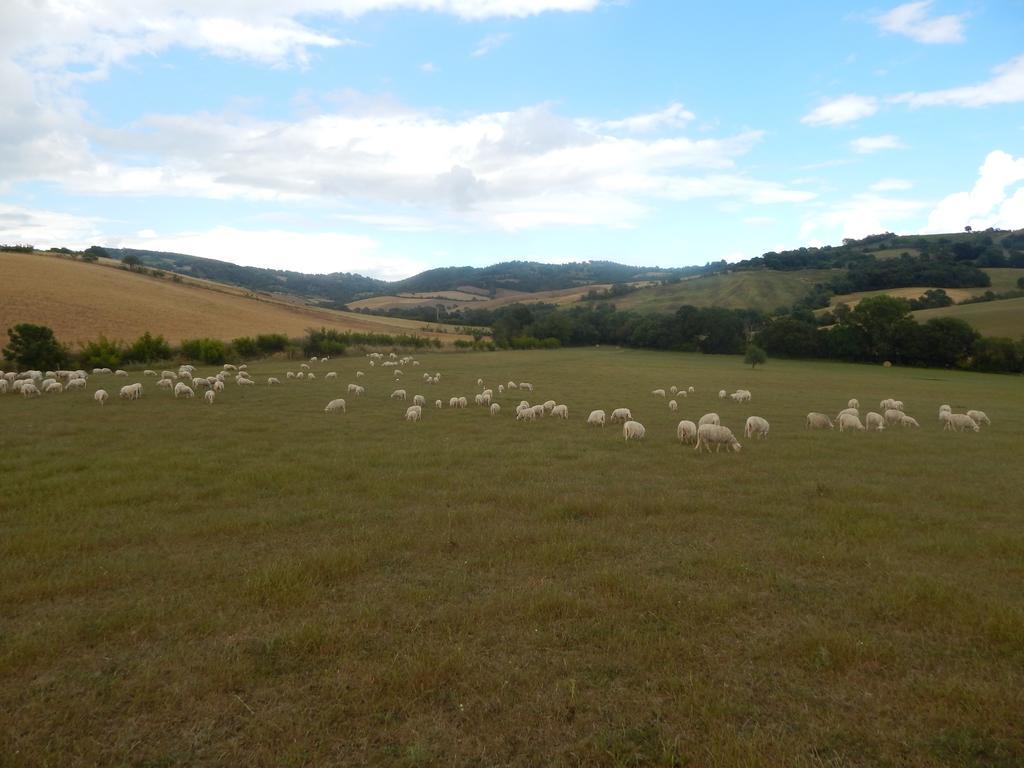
pixel 909 421
pixel 818 421
pixel 479 382
pixel 331 375
pixel 181 389
pixel 453 402
pixel 419 400
pixel 218 386
pixel 526 385
pixel 438 404
pixel 300 375
pixel 979 418
pixel 892 416
pixel 53 386
pixel 721 394
pixel 247 382
pixel 560 410
pixel 271 380
pixel 686 431
pixel 961 422
pixel 303 366
pixel 338 404
pixel 741 396
pixel 673 389
pixel 709 418
pixel 850 421
pixel 658 392
pixel 548 405
pixel 756 427
pixel 100 396
pixel 169 375
pixel 501 388
pixel 310 376
pixel 72 384
pixel 673 406
pixel 852 411
pixel 633 430
pixel 511 385
pixel 495 409
pixel 874 422
pixel 229 367
pixel 398 394
pixel 359 374
pixel 413 413
pixel 538 411
pixel 716 435
pixel 621 414
pixel 148 372
pixel 168 384
pixel 130 392
pixel 119 372
pixel 690 390
pixel 596 417
pixel 853 403
pixel 209 395
pixel 525 414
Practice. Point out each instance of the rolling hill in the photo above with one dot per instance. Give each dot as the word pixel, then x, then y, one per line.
pixel 990 318
pixel 82 301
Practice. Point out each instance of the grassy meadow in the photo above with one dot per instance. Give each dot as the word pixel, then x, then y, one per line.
pixel 990 318
pixel 259 583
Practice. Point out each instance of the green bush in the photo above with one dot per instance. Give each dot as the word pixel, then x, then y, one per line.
pixel 102 353
pixel 148 348
pixel 269 343
pixel 245 347
pixel 35 346
pixel 208 351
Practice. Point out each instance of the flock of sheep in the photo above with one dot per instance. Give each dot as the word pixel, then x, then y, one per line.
pixel 708 432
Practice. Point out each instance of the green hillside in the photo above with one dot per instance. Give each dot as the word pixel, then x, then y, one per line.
pixel 763 289
pixel 990 318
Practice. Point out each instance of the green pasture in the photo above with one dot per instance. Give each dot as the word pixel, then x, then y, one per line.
pixel 258 583
pixel 1004 317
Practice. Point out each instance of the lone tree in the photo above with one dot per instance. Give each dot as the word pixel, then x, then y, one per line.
pixel 34 346
pixel 755 356
pixel 132 261
pixel 967 228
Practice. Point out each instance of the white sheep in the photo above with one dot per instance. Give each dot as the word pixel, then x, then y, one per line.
pixel 181 389
pixel 961 422
pixel 596 418
pixel 849 421
pixel 304 366
pixel 338 404
pixel 218 386
pixel 272 380
pixel 359 374
pixel 100 396
pixel 722 394
pixel 673 406
pixel 561 411
pixel 944 408
pixel 892 416
pixel 852 411
pixel 511 385
pixel 479 382
pixel 119 372
pixel 709 418
pixel 54 386
pixel 168 384
pixel 331 375
pixel 148 372
pixel 453 402
pixel 686 431
pixel 979 418
pixel 310 376
pixel 673 389
pixel 419 400
pixel 909 421
pixel 548 405
pixel 658 392
pixel 621 414
pixel 716 435
pixel 438 404
pixel 633 430
pixel 756 427
pixel 495 409
pixel 209 395
pixel 818 421
pixel 72 384
pixel 290 375
pixel 246 382
pixel 501 388
pixel 690 389
pixel 741 396
pixel 525 414
pixel 526 385
pixel 300 375
pixel 413 413
pixel 853 403
pixel 874 422
pixel 398 394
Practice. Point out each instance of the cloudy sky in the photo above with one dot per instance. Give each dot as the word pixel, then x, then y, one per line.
pixel 390 136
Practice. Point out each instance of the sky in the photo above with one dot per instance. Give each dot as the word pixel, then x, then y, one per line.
pixel 386 137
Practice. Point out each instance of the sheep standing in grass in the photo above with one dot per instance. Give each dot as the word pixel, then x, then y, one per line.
pixel 419 400
pixel 209 396
pixel 526 385
pixel 438 404
pixel 495 409
pixel 944 408
pixel 100 396
pixel 673 389
pixel 398 394
pixel 979 418
pixel 673 406
pixel 853 403
pixel 181 389
pixel 850 421
pixel 756 427
pixel 892 416
pixel 596 418
pixel 961 422
pixel 72 384
pixel 908 421
pixel 633 430
pixel 874 422
pixel 338 404
pixel 548 405
pixel 722 394
pixel 818 421
pixel 709 418
pixel 716 435
pixel 686 431
pixel 331 375
pixel 272 380
pixel 560 411
pixel 621 415
pixel 413 413
pixel 658 392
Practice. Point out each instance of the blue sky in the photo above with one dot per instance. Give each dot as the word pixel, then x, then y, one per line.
pixel 390 136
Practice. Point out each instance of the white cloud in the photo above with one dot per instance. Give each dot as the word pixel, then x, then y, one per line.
pixel 46 229
pixel 867 145
pixel 321 252
pixel 891 185
pixel 911 20
pixel 995 200
pixel 861 215
pixel 429 67
pixel 1005 87
pixel 489 43
pixel 673 116
pixel 845 109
